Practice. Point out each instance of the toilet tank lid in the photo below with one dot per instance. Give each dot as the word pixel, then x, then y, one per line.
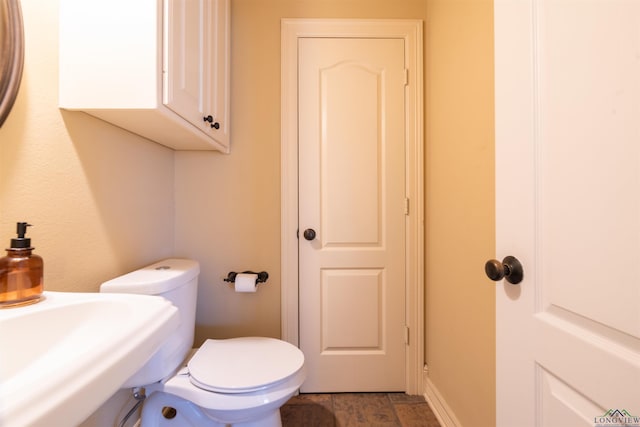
pixel 157 278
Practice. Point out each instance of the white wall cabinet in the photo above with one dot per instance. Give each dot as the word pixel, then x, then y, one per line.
pixel 158 68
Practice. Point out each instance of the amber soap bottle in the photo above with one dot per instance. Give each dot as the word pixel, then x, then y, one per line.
pixel 21 272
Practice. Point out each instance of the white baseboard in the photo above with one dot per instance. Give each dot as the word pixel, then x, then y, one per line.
pixel 438 405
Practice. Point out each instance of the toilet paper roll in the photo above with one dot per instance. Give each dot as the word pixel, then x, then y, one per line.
pixel 246 282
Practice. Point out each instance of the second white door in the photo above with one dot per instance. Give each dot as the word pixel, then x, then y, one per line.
pixel 352 213
pixel 568 206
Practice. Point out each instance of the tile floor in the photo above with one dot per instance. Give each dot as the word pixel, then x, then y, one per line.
pixel 357 410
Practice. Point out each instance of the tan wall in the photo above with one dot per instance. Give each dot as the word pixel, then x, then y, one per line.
pixel 228 207
pixel 460 306
pixel 100 198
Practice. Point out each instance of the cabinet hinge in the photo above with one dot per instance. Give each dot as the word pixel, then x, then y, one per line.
pixel 406 206
pixel 406 335
pixel 406 76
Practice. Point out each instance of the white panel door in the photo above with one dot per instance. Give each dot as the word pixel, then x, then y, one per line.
pixel 568 206
pixel 351 194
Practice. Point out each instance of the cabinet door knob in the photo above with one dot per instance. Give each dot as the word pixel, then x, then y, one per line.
pixel 215 125
pixel 208 118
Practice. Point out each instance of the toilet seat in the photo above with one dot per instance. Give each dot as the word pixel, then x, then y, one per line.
pixel 243 365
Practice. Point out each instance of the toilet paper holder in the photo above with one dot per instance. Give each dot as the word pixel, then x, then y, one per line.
pixel 262 276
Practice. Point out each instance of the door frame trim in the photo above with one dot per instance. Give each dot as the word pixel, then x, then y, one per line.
pixel 411 32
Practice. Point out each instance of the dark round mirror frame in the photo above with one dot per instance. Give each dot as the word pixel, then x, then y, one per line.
pixel 11 54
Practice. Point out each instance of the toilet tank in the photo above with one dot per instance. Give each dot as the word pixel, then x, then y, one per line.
pixel 177 281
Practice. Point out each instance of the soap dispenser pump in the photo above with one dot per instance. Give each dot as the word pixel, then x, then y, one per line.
pixel 21 272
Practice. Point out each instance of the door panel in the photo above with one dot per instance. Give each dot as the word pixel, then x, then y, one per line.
pixel 351 192
pixel 186 83
pixel 568 205
pixel 589 110
pixel 350 149
pixel 342 290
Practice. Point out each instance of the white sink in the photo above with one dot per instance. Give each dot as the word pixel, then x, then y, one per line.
pixel 61 358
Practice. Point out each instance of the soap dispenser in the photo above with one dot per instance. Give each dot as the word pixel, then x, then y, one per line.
pixel 21 272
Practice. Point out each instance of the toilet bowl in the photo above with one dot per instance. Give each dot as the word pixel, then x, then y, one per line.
pixel 241 382
pixel 237 381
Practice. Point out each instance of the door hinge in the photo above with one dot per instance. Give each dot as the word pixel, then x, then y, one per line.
pixel 406 335
pixel 406 206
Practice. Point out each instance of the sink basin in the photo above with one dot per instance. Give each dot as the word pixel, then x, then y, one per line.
pixel 61 358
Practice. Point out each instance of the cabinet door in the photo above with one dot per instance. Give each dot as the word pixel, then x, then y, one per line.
pixel 195 63
pixel 218 63
pixel 184 88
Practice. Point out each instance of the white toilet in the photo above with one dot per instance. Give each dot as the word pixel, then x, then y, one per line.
pixel 241 382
